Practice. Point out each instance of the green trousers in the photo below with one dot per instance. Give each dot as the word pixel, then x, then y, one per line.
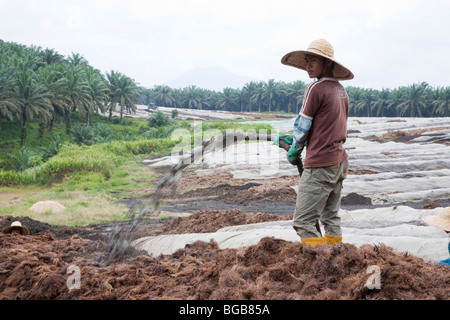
pixel 319 199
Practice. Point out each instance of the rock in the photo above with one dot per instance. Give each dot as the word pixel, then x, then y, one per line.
pixel 381 198
pixel 43 206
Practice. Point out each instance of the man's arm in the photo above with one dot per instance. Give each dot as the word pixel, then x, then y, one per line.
pixel 302 125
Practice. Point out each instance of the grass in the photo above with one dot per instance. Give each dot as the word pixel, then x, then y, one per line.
pixel 245 126
pixel 90 181
pixel 81 208
pixel 89 197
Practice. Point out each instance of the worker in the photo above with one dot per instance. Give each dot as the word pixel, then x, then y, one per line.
pixel 441 221
pixel 16 228
pixel 321 126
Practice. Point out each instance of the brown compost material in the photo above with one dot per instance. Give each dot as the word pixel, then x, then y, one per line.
pixel 36 267
pixel 212 220
pixel 407 136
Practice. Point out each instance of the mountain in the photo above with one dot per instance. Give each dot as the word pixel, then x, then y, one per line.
pixel 211 78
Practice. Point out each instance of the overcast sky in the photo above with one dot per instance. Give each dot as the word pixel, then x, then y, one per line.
pixel 386 44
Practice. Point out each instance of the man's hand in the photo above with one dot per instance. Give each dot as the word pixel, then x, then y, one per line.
pixel 293 155
pixel 288 138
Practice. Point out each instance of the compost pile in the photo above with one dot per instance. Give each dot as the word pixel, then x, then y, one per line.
pixel 36 266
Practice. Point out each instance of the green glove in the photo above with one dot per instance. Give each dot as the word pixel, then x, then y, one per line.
pixel 288 138
pixel 293 155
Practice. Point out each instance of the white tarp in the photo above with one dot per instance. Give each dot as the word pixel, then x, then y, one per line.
pixel 406 172
pixel 400 228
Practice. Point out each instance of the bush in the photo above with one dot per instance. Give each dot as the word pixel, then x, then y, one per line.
pixel 20 160
pixel 102 133
pixel 159 132
pixel 158 119
pixel 52 149
pixel 102 158
pixel 74 158
pixel 82 134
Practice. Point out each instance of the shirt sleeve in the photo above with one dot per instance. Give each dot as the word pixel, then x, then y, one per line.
pixel 302 125
pixel 311 101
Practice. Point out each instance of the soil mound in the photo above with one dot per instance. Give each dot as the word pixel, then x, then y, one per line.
pixel 212 220
pixel 355 199
pixel 43 206
pixel 244 194
pixel 37 227
pixel 36 267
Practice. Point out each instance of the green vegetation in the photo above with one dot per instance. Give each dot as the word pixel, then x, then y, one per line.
pixel 45 87
pixel 103 158
pixel 223 126
pixel 59 139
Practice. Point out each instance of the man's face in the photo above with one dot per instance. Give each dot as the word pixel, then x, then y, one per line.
pixel 314 65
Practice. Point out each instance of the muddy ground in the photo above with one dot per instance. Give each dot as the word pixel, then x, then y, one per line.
pixel 36 266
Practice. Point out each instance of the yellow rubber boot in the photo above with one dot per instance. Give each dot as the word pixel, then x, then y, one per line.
pixel 332 239
pixel 314 241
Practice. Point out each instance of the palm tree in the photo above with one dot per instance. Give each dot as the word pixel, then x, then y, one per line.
pixel 271 91
pixel 191 98
pixel 77 60
pixel 164 95
pixel 241 99
pixel 395 100
pixel 7 106
pixel 366 102
pixel 98 92
pixel 441 106
pixel 296 91
pixel 249 90
pixel 227 99
pixel 258 95
pixel 414 101
pixel 50 56
pixel 204 99
pixel 123 92
pixel 381 102
pixel 145 96
pixel 78 93
pixel 33 100
pixel 52 76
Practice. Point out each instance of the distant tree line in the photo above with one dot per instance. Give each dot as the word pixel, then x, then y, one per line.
pixel 41 85
pixel 416 100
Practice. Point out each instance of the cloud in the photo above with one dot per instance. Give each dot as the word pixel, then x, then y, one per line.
pixel 385 43
pixel 74 19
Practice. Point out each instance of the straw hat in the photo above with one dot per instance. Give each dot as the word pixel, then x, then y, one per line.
pixel 17 224
pixel 321 48
pixel 441 221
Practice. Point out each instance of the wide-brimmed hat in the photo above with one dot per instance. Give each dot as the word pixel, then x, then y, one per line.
pixel 441 221
pixel 320 47
pixel 17 224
